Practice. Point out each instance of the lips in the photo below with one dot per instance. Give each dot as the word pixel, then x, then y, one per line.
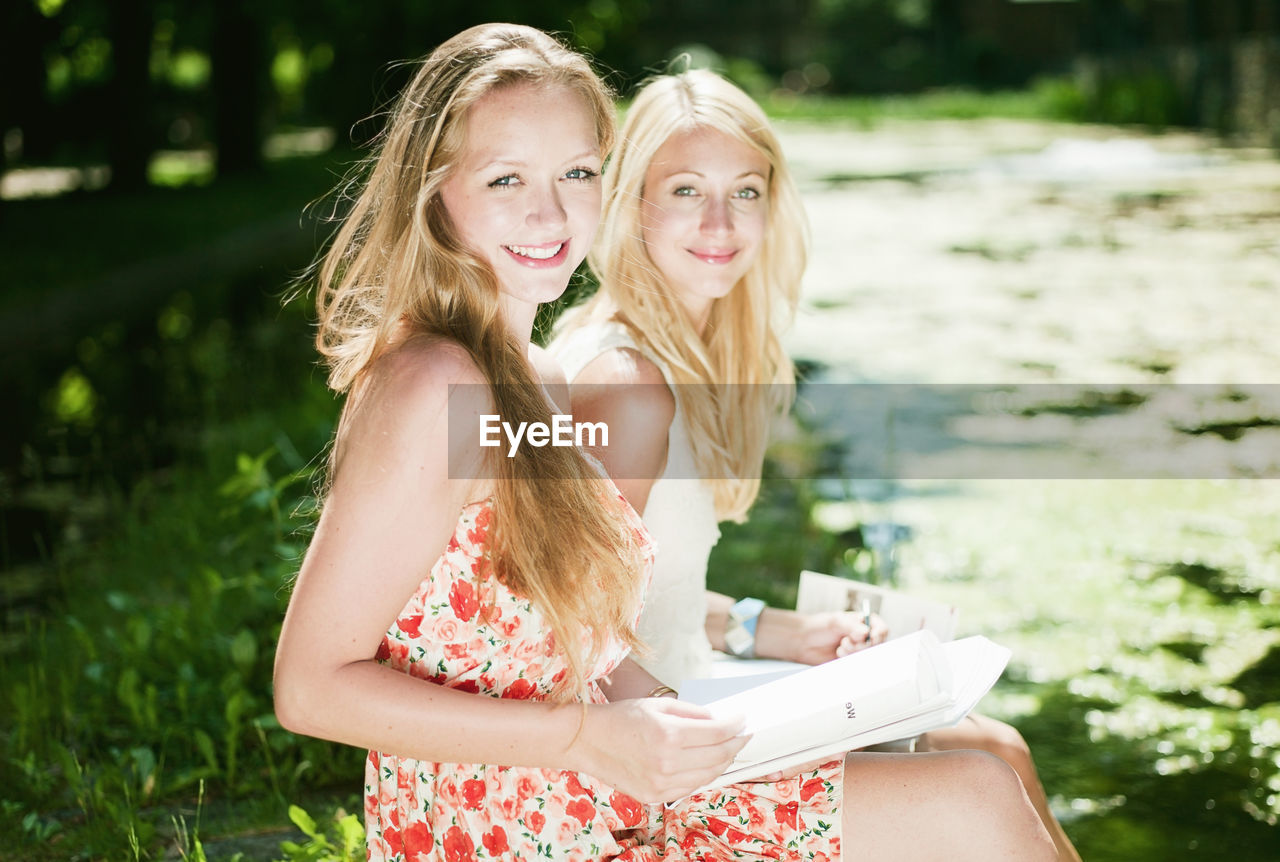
pixel 547 255
pixel 714 256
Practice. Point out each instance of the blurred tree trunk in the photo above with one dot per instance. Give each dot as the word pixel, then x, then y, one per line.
pixel 947 25
pixel 129 27
pixel 24 107
pixel 238 58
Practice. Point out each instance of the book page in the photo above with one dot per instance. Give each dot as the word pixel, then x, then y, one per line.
pixel 704 690
pixel 902 613
pixel 830 701
pixel 973 665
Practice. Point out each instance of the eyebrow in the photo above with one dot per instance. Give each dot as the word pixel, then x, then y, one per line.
pixel 504 162
pixel 751 173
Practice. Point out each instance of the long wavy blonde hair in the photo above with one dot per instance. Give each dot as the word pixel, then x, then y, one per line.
pixel 743 375
pixel 396 264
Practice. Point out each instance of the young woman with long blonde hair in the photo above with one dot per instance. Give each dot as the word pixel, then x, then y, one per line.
pixel 679 353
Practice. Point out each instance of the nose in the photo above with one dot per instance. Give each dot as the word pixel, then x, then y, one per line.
pixel 717 217
pixel 546 210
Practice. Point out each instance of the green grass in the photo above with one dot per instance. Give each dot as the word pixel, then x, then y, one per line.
pixel 1144 617
pixel 1047 100
pixel 144 675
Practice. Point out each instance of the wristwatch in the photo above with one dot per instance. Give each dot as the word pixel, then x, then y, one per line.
pixel 740 631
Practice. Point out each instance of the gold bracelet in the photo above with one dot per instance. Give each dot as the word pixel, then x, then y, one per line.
pixel 662 691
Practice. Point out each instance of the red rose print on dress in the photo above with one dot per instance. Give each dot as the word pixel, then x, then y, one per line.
pixel 458 846
pixel 535 821
pixel 811 787
pixel 495 841
pixel 510 628
pixel 582 809
pixel 521 689
pixel 479 534
pixel 410 625
pixel 473 794
pixel 574 785
pixel 462 598
pixel 418 842
pixel 787 814
pixel 628 808
pixel 391 835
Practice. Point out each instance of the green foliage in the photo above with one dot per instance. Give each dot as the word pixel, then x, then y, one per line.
pixel 1040 103
pixel 1062 97
pixel 148 673
pixel 1143 619
pixel 345 845
pixel 137 694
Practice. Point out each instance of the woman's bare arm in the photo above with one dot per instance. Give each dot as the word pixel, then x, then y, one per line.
pixel 388 517
pixel 627 392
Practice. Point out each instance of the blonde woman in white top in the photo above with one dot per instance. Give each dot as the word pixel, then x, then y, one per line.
pixel 700 255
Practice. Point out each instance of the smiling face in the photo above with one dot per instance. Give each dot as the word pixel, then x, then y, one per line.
pixel 704 214
pixel 524 192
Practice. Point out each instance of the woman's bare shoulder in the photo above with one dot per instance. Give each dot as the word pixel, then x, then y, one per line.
pixel 623 365
pixel 625 386
pixel 403 399
pixel 425 360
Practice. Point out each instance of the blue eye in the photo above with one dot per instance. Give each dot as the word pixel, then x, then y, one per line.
pixel 684 191
pixel 501 182
pixel 581 174
pixel 747 194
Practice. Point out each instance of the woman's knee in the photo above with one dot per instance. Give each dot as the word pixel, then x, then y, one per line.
pixel 981 766
pixel 997 790
pixel 1007 744
pixel 966 793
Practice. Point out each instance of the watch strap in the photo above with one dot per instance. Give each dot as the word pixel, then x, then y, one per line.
pixel 740 630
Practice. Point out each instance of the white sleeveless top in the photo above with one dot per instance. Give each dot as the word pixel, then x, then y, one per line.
pixel 681 517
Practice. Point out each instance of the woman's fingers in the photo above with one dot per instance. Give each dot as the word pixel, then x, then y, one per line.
pixel 697 725
pixel 698 747
pixel 657 749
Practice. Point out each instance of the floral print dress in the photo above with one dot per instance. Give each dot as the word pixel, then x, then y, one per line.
pixel 456 812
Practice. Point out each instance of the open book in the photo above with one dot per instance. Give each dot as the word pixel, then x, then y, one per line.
pixel 902 612
pixel 900 688
pixel 913 683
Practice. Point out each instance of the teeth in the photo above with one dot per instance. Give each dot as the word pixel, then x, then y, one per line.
pixel 536 253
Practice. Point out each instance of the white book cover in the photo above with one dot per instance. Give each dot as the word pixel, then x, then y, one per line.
pixel 901 688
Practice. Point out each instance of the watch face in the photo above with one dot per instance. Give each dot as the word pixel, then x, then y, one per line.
pixel 739 640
